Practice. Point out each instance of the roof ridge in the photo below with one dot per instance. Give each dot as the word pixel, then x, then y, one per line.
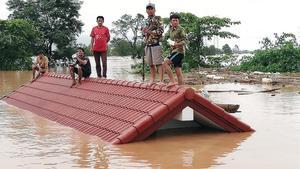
pixel 134 84
pixel 115 94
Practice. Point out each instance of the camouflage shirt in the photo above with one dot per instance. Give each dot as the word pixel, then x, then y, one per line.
pixel 155 26
pixel 177 35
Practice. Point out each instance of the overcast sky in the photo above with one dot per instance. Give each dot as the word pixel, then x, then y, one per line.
pixel 259 18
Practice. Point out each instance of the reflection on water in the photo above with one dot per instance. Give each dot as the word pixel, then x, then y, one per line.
pixel 191 148
pixel 29 141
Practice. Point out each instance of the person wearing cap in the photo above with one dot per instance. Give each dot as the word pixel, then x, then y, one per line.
pixel 152 32
pixel 177 40
pixel 100 36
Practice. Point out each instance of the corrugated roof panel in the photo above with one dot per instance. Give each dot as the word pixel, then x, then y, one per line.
pixel 116 111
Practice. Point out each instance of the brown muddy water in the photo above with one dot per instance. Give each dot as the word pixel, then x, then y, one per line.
pixel 30 141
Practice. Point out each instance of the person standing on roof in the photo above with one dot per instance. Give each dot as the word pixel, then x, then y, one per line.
pixel 177 41
pixel 100 36
pixel 152 32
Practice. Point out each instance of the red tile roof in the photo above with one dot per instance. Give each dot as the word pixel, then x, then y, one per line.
pixel 117 111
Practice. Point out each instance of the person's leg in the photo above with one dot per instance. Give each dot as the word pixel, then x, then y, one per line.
pixel 176 59
pixel 40 72
pixel 97 61
pixel 85 74
pixel 34 67
pixel 157 59
pixel 148 57
pixel 38 75
pixel 152 73
pixel 104 63
pixel 161 72
pixel 168 69
pixel 79 74
pixel 72 73
pixel 179 75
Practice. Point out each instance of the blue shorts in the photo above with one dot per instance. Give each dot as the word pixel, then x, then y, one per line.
pixel 176 59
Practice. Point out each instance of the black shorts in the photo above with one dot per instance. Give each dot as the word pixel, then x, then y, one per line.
pixel 85 73
pixel 176 59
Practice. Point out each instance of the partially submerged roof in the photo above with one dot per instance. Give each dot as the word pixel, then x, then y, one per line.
pixel 117 111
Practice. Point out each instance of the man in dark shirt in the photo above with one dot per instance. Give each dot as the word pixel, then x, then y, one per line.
pixel 82 66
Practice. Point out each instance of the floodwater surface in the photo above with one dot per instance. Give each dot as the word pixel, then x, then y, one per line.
pixel 30 141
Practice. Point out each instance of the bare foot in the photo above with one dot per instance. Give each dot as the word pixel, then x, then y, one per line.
pixel 73 84
pixel 171 84
pixel 32 80
pixel 160 83
pixel 150 84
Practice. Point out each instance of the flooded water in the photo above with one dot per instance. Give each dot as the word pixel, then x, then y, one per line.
pixel 30 141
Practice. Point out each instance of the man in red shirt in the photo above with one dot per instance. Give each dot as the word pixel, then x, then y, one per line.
pixel 99 38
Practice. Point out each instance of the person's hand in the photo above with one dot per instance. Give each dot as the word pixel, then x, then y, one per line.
pixel 176 45
pixel 145 30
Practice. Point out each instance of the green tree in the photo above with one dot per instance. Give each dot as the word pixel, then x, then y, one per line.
pixel 200 28
pixel 211 50
pixel 280 55
pixel 266 43
pixel 19 40
pixel 283 59
pixel 279 41
pixel 120 47
pixel 226 49
pixel 285 38
pixel 56 19
pixel 128 28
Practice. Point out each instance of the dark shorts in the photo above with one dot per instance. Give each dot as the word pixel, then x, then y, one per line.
pixel 176 59
pixel 85 73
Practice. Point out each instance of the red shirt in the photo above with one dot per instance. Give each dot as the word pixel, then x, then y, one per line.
pixel 101 37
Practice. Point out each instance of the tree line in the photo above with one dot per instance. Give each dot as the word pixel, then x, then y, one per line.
pixel 280 54
pixel 44 24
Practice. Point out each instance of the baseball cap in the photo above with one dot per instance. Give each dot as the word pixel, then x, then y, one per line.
pixel 150 5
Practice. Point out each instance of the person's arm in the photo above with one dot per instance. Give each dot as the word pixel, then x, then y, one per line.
pixel 92 35
pixel 37 61
pixel 156 29
pixel 108 35
pixel 92 43
pixel 160 27
pixel 81 61
pixel 43 65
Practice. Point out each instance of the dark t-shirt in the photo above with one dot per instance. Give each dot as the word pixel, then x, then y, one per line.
pixel 87 67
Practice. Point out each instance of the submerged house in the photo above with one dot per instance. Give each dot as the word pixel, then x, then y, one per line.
pixel 119 111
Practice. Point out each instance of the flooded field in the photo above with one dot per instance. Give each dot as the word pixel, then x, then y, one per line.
pixel 30 141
